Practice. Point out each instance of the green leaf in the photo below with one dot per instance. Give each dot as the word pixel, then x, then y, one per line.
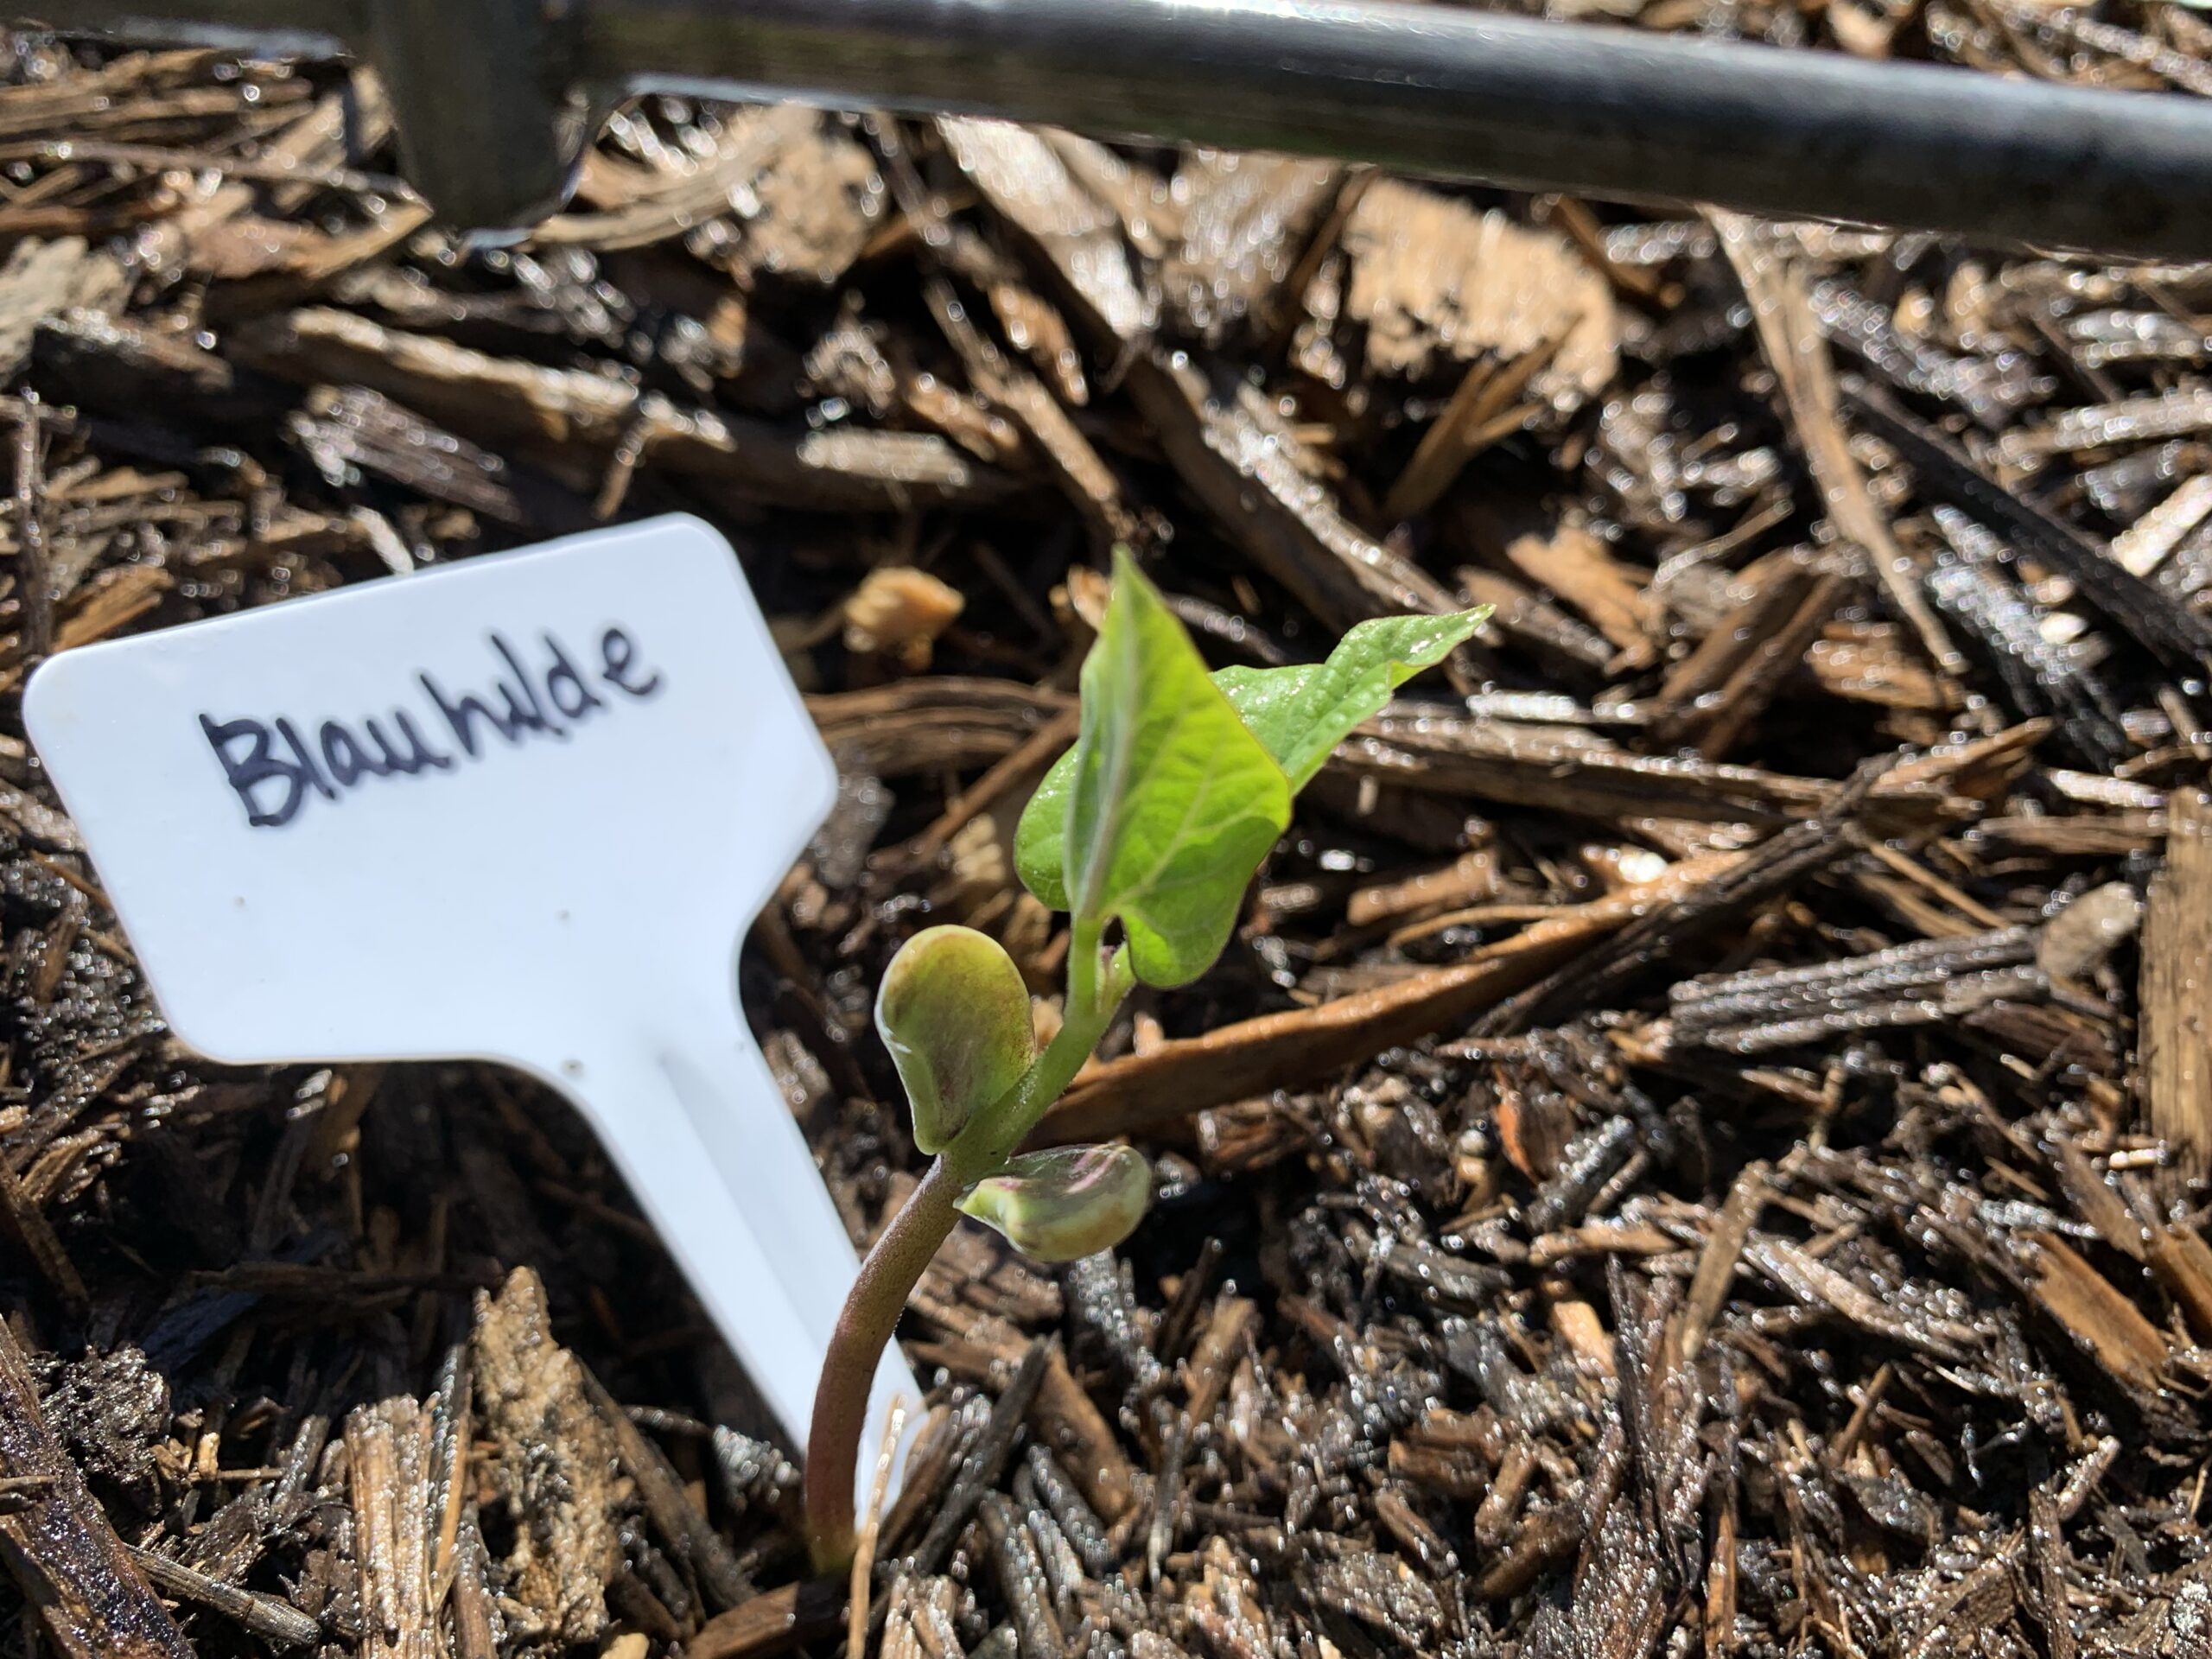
pixel 954 1013
pixel 1173 801
pixel 1040 840
pixel 1302 713
pixel 1065 1203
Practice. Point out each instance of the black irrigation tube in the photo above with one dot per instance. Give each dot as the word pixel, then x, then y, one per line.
pixel 493 96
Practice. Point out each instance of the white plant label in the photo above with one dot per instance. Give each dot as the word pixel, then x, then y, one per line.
pixel 518 809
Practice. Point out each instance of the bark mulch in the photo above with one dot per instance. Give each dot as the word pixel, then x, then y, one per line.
pixel 1699 1146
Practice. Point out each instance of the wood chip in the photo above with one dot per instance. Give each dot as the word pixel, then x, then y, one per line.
pixel 2177 991
pixel 69 1567
pixel 550 1469
pixel 1432 278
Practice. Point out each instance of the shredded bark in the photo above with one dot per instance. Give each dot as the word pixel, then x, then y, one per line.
pixel 1697 1144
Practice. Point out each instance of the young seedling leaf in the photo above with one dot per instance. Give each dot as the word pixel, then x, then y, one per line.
pixel 1302 713
pixel 1173 802
pixel 954 1013
pixel 1065 1203
pixel 1040 840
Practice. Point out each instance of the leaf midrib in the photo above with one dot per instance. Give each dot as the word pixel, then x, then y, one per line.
pixel 1099 854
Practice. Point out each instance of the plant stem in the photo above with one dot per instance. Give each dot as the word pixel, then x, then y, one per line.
pixel 991 1136
pixel 893 1266
pixel 902 1254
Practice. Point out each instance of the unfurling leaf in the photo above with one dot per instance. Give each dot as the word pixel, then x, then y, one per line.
pixel 1297 714
pixel 1065 1203
pixel 1170 802
pixel 1040 840
pixel 955 1014
pixel 1303 711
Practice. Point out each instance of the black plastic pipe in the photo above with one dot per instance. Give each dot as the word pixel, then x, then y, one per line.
pixel 492 96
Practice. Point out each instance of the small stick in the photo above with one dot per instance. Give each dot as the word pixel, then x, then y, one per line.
pixel 668 1506
pixel 34 572
pixel 264 1616
pixel 979 1472
pixel 39 1238
pixel 871 1529
pixel 1032 756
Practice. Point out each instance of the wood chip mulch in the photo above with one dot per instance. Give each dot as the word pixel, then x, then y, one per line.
pixel 1698 1148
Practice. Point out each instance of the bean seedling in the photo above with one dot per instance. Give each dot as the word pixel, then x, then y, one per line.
pixel 1151 825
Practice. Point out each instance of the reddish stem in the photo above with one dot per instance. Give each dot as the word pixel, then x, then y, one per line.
pixel 893 1266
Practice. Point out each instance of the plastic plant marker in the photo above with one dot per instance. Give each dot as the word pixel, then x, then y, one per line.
pixel 519 809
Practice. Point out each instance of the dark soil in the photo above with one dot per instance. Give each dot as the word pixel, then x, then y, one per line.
pixel 1698 1146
